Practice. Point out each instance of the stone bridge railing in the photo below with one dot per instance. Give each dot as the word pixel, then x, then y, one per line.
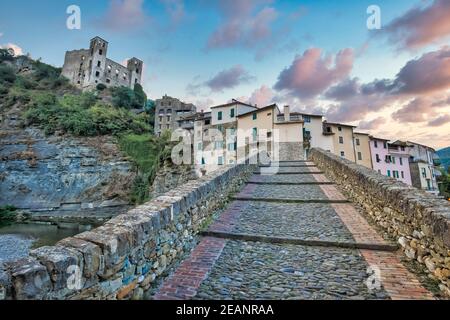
pixel 123 258
pixel 419 221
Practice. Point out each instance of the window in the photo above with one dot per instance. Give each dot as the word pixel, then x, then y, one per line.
pixel 357 142
pixel 108 81
pixel 428 184
pixel 97 74
pixel 401 161
pixel 375 143
pixel 137 71
pixel 100 52
pixel 160 119
pixel 255 134
pixel 403 175
pixel 207 122
pixel 424 173
pixel 232 113
pixel 389 173
pixel 135 81
pixel 99 64
pixel 255 116
pixel 307 134
pixel 339 128
pixel 220 161
pixel 203 161
pixel 378 157
pixel 219 116
pixel 269 134
pixel 231 147
pixel 341 140
pixel 342 154
pixel 168 118
pixel 200 146
pixel 359 156
pixel 393 160
pixel 402 148
pixel 218 145
pixel 395 174
pixel 307 119
pixel 169 110
pixel 385 145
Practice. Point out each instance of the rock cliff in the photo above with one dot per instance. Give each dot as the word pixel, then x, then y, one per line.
pixel 61 177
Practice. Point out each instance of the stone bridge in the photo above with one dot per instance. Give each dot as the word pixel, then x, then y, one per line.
pixel 319 229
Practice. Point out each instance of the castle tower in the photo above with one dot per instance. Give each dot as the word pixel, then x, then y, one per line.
pixel 98 50
pixel 135 67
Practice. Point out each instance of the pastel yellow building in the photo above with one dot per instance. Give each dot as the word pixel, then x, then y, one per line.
pixel 342 138
pixel 362 149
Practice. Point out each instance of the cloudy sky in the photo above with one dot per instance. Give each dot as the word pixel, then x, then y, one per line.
pixel 315 55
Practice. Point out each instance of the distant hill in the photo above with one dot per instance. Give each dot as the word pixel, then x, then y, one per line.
pixel 444 154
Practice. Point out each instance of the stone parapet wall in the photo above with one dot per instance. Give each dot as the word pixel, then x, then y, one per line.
pixel 419 221
pixel 291 151
pixel 123 258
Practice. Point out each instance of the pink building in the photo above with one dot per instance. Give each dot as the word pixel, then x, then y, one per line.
pixel 391 159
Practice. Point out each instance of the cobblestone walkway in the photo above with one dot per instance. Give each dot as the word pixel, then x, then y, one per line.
pixel 292 235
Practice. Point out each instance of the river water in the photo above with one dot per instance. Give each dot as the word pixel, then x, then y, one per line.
pixel 17 240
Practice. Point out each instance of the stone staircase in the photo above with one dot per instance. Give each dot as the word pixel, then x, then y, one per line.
pixel 291 234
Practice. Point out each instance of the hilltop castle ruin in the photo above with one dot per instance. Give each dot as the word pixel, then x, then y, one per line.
pixel 86 68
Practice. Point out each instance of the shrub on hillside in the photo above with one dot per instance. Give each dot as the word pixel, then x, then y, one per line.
pixel 140 96
pixel 123 97
pixel 25 83
pixel 101 87
pixel 5 55
pixel 78 115
pixel 7 75
pixel 3 90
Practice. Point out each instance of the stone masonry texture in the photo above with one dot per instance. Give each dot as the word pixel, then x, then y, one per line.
pixel 123 258
pixel 419 221
pixel 271 267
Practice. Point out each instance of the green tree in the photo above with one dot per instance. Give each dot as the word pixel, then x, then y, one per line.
pixel 140 96
pixel 5 55
pixel 123 97
pixel 7 75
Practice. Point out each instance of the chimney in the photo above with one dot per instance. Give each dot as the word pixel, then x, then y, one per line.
pixel 287 113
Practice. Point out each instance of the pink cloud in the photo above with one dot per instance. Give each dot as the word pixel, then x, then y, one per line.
pixel 244 23
pixel 429 73
pixel 421 26
pixel 14 47
pixel 312 73
pixel 228 79
pixel 417 110
pixel 372 124
pixel 125 15
pixel 225 79
pixel 262 96
pixel 427 76
pixel 440 121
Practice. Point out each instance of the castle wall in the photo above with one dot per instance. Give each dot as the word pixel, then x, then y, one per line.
pixel 86 68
